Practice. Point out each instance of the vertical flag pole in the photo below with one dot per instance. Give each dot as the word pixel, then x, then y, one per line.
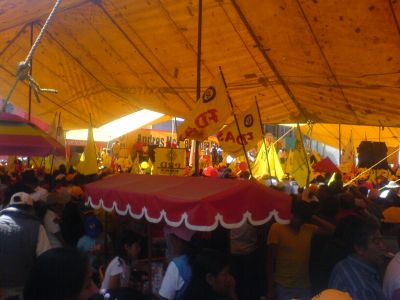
pixel 340 145
pixel 305 154
pixel 263 139
pixel 94 143
pixel 53 154
pixel 198 83
pixel 236 121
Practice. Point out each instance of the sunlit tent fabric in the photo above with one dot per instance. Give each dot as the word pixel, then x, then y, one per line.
pixel 20 137
pixel 199 203
pixel 324 61
pixel 329 134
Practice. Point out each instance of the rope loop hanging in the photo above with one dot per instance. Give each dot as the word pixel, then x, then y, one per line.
pixel 23 67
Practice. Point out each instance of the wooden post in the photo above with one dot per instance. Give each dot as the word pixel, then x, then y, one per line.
pixel 198 82
pixel 340 145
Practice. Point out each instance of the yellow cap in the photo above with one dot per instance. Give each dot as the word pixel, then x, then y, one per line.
pixel 332 294
pixel 391 215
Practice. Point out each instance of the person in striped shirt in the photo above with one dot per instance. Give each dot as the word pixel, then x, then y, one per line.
pixel 358 274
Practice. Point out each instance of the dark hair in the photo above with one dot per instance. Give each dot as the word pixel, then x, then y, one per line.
pixel 302 210
pixel 329 206
pixel 128 238
pixel 355 231
pixel 347 201
pixel 206 262
pixel 58 274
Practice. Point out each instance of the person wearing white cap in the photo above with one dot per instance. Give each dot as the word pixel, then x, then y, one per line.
pixel 390 194
pixel 22 238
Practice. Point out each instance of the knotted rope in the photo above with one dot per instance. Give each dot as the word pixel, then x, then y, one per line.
pixel 23 67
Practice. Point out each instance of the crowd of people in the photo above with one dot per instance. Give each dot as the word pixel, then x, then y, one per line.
pixel 342 242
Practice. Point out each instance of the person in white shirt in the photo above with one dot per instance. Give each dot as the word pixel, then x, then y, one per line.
pixel 52 218
pixel 118 271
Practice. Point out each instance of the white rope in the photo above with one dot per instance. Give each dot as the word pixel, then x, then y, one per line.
pixel 369 169
pixel 23 67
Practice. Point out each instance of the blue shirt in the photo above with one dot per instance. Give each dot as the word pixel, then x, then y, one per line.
pixel 359 279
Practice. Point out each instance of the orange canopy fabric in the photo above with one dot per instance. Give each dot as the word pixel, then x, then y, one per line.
pixel 325 61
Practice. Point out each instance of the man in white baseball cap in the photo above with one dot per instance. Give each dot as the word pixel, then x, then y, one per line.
pixel 22 238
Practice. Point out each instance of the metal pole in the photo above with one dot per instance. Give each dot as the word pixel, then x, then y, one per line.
pixel 305 154
pixel 263 139
pixel 30 73
pixel 198 82
pixel 340 145
pixel 236 121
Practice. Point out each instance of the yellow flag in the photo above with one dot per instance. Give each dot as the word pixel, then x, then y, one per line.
pixel 301 163
pixel 349 157
pixel 151 167
pixel 169 161
pixel 289 162
pixel 136 166
pixel 272 166
pixel 260 166
pixel 250 128
pixel 208 115
pixel 56 131
pixel 275 163
pixel 88 163
pixel 52 130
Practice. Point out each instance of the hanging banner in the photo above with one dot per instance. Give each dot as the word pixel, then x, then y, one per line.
pixel 232 141
pixel 208 115
pixel 169 161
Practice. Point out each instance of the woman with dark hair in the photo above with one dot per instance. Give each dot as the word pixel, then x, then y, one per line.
pixel 60 274
pixel 179 270
pixel 118 271
pixel 211 278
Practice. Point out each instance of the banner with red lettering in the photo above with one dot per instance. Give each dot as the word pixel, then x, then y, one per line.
pixel 208 115
pixel 250 132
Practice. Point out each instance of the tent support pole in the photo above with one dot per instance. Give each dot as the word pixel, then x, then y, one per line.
pixel 198 82
pixel 30 73
pixel 263 139
pixel 236 121
pixel 340 145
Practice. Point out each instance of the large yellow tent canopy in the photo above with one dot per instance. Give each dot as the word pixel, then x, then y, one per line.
pixel 330 61
pixel 329 134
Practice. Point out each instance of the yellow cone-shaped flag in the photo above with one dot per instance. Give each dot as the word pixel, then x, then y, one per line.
pixel 208 114
pixel 151 167
pixel 260 166
pixel 301 163
pixel 275 163
pixel 88 163
pixel 271 167
pixel 349 157
pixel 232 141
pixel 289 162
pixel 136 166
